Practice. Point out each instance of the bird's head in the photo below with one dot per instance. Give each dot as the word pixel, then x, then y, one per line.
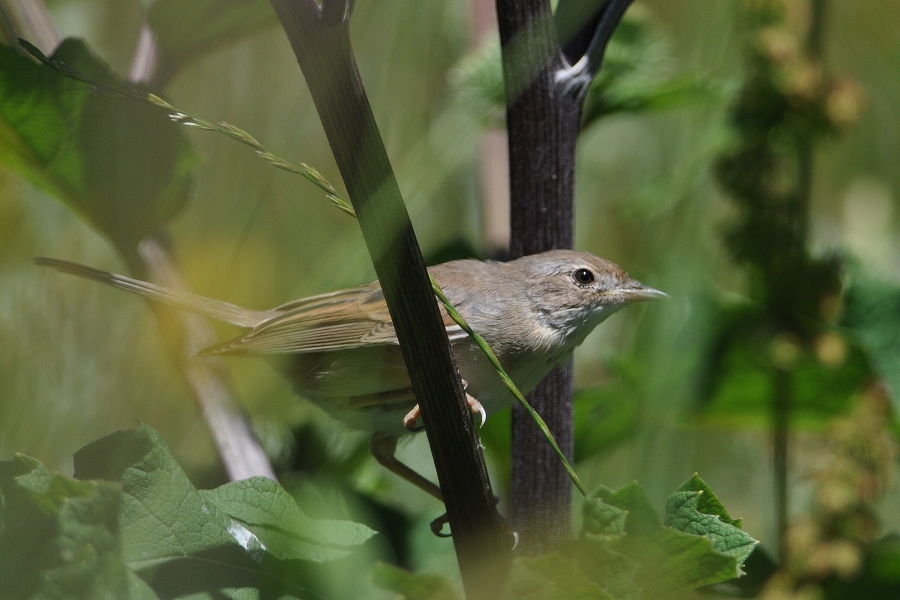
pixel 573 292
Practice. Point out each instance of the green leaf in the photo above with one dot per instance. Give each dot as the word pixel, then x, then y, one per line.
pixel 633 499
pixel 181 541
pixel 579 569
pixel 708 502
pixel 699 512
pixel 270 514
pixel 625 552
pixel 186 29
pixel 124 166
pixel 413 586
pixel 671 561
pixel 601 518
pixel 60 537
pixel 165 516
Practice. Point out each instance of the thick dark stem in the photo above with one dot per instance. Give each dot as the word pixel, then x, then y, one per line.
pixel 545 90
pixel 322 47
pixel 540 504
pixel 543 126
pixel 585 28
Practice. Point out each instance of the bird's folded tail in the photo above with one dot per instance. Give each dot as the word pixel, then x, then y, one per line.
pixel 214 309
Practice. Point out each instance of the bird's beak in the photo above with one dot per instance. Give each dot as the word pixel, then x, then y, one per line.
pixel 640 292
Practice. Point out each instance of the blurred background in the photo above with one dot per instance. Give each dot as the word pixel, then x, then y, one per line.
pixel 658 400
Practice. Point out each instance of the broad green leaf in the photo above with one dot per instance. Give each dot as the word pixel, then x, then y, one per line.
pixel 625 552
pixel 60 537
pixel 601 518
pixel 698 512
pixel 182 542
pixel 124 166
pixel 642 517
pixel 413 586
pixel 270 514
pixel 579 569
pixel 672 561
pixel 708 503
pixel 164 516
pixel 187 28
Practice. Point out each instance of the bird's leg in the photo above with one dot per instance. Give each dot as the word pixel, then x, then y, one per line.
pixel 412 417
pixel 383 447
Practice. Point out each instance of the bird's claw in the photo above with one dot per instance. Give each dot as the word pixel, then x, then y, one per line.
pixel 410 421
pixel 437 526
pixel 476 407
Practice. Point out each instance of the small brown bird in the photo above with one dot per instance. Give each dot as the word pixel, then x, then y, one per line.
pixel 340 349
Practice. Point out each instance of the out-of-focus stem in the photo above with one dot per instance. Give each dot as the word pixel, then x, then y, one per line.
pixel 239 450
pixel 29 19
pixel 781 402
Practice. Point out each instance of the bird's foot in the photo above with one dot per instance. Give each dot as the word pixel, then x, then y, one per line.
pixel 437 526
pixel 410 421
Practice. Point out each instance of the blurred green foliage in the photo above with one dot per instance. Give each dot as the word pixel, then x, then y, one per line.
pixel 624 552
pixel 131 525
pixel 79 362
pixel 836 551
pixel 638 75
pixel 186 30
pixel 127 183
pixel 872 314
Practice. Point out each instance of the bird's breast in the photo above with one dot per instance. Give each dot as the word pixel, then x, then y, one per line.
pixel 527 366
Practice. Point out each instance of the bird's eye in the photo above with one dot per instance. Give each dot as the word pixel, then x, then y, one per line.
pixel 583 276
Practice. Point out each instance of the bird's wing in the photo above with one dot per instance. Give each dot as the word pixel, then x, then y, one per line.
pixel 352 318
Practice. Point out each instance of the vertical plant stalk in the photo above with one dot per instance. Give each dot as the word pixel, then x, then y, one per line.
pixel 546 82
pixel 240 451
pixel 781 414
pixel 320 38
pixel 31 20
pixel 782 400
pixel 814 41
